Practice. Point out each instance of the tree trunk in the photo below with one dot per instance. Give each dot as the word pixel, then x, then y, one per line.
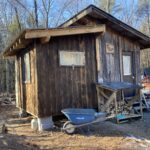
pixel 36 13
pixel 17 17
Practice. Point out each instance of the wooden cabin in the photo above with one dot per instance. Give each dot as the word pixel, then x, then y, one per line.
pixel 57 68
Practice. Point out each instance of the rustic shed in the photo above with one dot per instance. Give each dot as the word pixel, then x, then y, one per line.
pixel 57 68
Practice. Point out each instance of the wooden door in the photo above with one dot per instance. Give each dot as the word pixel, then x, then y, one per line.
pixel 128 72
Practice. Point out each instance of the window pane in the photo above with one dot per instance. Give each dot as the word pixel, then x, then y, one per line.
pixel 127 65
pixel 26 68
pixel 67 58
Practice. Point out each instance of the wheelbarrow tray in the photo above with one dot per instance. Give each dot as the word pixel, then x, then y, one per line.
pixel 79 116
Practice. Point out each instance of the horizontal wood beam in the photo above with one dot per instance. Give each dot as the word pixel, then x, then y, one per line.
pixel 45 39
pixel 30 34
pixel 19 44
pixel 19 47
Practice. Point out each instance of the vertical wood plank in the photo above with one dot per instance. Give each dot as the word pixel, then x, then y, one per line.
pixel 17 82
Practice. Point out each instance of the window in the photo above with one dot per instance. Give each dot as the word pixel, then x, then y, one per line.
pixel 127 65
pixel 68 58
pixel 26 68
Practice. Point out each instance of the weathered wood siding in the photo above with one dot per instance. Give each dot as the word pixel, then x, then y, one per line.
pixel 27 92
pixel 113 62
pixel 62 87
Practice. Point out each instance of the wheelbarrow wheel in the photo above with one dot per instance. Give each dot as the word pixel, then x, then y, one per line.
pixel 70 126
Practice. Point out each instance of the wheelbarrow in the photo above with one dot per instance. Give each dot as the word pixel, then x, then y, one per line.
pixel 81 117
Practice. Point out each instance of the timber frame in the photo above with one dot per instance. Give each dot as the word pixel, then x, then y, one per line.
pixel 45 34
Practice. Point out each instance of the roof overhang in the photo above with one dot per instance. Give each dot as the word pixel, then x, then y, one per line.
pixel 26 37
pixel 112 22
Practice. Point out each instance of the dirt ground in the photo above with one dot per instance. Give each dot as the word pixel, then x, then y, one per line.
pixel 134 135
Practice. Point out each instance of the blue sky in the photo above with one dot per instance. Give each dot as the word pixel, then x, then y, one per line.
pixel 57 17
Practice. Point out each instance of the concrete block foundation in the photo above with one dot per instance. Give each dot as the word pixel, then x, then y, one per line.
pixel 45 123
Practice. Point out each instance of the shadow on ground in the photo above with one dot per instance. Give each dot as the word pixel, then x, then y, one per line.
pixel 13 142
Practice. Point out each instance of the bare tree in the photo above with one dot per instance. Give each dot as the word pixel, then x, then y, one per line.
pixel 17 18
pixel 36 13
pixel 25 8
pixel 65 5
pixel 143 12
pixel 106 5
pixel 46 10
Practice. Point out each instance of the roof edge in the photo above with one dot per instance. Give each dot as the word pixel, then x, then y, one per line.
pixel 44 36
pixel 112 19
pixel 75 16
pixel 119 21
pixel 21 34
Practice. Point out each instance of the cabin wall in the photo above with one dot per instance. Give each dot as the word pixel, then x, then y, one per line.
pixel 111 63
pixel 27 91
pixel 63 87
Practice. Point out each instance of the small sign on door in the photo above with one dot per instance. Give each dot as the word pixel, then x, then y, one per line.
pixel 109 48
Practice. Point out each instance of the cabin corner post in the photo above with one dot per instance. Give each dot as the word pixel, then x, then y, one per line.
pixel 98 58
pixel 99 67
pixel 16 82
pixel 44 122
pixel 121 63
pixel 36 79
pixel 137 68
pixel 21 86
